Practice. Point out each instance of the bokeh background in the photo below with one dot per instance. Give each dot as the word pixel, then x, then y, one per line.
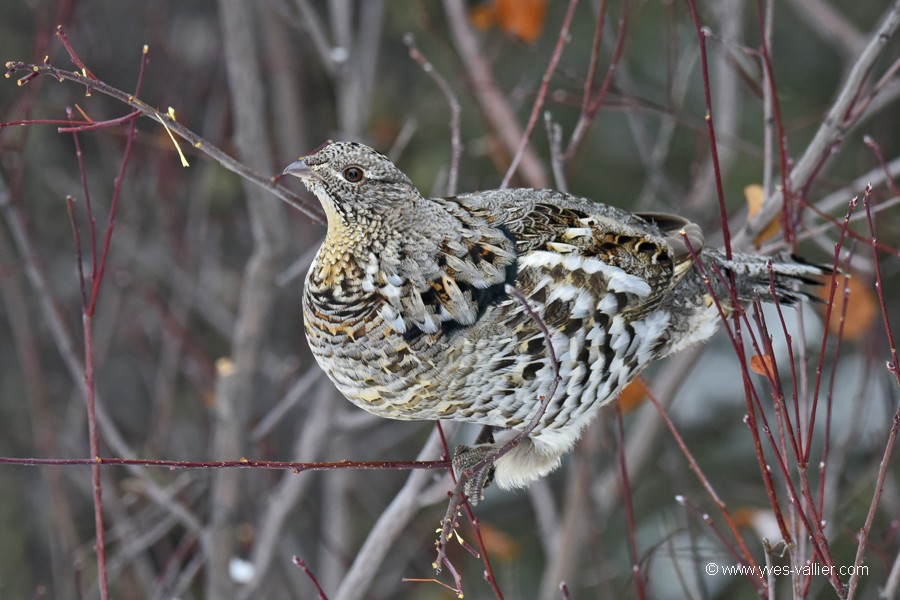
pixel 198 338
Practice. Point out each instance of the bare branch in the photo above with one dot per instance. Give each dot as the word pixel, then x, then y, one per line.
pixel 447 91
pixel 832 129
pixel 493 103
pixel 311 210
pixel 561 42
pixel 391 523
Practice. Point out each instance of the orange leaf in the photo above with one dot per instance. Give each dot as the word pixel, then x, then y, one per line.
pixel 755 197
pixel 862 309
pixel 632 396
pixel 743 516
pixel 482 16
pixel 521 18
pixel 498 543
pixel 759 364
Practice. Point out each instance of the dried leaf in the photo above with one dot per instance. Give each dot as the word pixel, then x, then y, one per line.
pixel 743 516
pixel 521 18
pixel 483 16
pixel 497 543
pixel 760 364
pixel 632 396
pixel 755 197
pixel 760 520
pixel 862 309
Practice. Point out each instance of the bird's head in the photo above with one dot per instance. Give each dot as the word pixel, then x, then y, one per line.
pixel 352 181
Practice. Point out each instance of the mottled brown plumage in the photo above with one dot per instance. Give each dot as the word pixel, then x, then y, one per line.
pixel 407 312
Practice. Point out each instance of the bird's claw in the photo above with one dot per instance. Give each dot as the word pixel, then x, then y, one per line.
pixel 464 460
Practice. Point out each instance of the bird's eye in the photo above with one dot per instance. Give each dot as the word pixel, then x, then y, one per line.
pixel 353 174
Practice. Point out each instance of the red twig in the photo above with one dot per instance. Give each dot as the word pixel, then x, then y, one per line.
pixel 542 92
pixel 71 126
pixel 590 107
pixel 812 525
pixel 749 391
pixel 447 91
pixel 75 127
pixel 787 219
pixel 70 209
pixel 92 222
pixel 97 276
pixel 297 467
pixel 457 497
pixel 28 122
pixel 629 509
pixel 87 314
pixel 876 149
pixel 828 309
pixel 309 208
pixel 595 57
pixel 713 147
pixel 300 563
pixel 709 522
pixel 826 443
pixel 476 526
pixel 61 34
pixel 893 367
pixel 710 491
pixel 89 384
pixel 782 413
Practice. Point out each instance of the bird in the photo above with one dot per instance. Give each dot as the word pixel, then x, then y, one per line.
pixel 410 304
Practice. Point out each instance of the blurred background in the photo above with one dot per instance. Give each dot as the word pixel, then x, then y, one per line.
pixel 199 351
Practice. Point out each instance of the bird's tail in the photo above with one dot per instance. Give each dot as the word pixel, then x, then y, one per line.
pixel 790 277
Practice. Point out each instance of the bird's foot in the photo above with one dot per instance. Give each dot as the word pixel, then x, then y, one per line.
pixel 465 464
pixel 466 458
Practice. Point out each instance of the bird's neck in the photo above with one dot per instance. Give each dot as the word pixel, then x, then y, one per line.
pixel 346 254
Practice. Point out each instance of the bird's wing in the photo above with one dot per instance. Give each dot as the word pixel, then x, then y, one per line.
pixel 571 241
pixel 462 270
pixel 455 273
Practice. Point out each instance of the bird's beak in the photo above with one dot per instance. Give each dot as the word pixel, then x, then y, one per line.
pixel 300 169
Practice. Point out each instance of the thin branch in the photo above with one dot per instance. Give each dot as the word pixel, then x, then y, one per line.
pixel 888 175
pixel 494 104
pixel 824 19
pixel 557 160
pixel 832 129
pixel 561 42
pixel 391 523
pixel 61 34
pixel 299 562
pixel 629 508
pixel 447 91
pixel 893 365
pixel 488 568
pixel 590 106
pixel 772 104
pixel 458 497
pixel 74 127
pixel 707 486
pixel 296 467
pixel 894 368
pixel 311 210
pixel 713 147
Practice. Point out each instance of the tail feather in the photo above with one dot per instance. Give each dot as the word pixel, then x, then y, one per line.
pixel 791 275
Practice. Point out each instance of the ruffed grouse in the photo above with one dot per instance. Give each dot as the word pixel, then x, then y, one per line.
pixel 407 309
